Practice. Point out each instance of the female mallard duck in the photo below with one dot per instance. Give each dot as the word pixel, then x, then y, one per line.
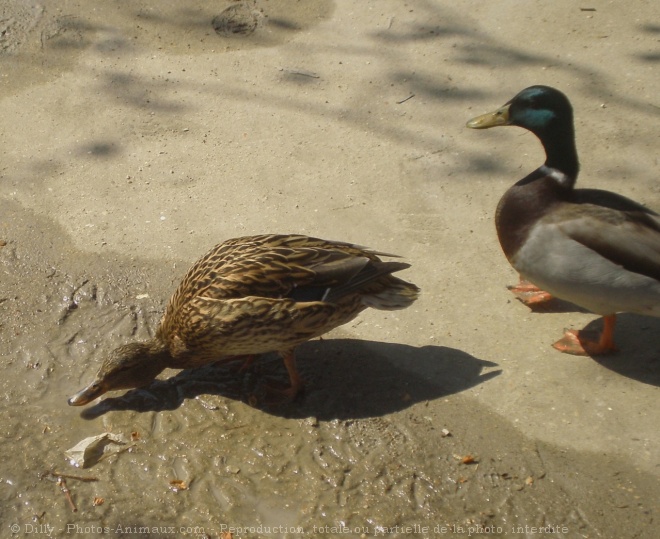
pixel 254 295
pixel 594 248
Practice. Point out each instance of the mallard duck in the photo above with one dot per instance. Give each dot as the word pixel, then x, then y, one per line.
pixel 596 249
pixel 253 295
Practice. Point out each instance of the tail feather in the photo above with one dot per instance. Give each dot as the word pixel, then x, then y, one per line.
pixel 370 273
pixel 399 294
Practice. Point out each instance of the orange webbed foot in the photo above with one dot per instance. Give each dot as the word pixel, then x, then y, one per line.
pixel 277 395
pixel 578 343
pixel 530 294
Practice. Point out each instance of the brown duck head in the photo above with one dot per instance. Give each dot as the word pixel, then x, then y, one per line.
pixel 129 366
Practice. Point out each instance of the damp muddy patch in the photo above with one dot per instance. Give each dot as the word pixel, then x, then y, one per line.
pixel 382 439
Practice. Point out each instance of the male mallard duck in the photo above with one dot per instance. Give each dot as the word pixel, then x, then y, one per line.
pixel 594 248
pixel 254 295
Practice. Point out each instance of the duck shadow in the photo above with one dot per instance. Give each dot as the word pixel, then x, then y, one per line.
pixel 344 379
pixel 638 340
pixel 554 305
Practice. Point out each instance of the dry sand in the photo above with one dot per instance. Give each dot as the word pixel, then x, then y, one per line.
pixel 137 135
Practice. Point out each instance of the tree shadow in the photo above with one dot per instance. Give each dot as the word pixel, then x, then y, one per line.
pixel 126 29
pixel 345 379
pixel 650 57
pixel 638 340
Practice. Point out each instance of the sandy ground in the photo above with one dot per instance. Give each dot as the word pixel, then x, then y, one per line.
pixel 137 135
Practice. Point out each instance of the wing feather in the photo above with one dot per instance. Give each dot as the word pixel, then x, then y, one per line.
pixel 629 238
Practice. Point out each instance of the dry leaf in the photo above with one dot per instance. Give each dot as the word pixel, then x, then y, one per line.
pixel 89 451
pixel 176 485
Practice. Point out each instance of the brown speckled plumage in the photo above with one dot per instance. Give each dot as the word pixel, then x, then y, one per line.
pixel 253 295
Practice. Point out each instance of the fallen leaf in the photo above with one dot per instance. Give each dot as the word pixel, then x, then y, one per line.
pixel 176 485
pixel 89 451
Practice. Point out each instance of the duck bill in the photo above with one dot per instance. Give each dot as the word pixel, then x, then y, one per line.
pixel 87 395
pixel 492 119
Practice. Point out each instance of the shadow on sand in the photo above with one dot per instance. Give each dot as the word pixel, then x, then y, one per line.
pixel 345 379
pixel 638 340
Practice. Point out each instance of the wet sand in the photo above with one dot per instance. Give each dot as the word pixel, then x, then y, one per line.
pixel 136 136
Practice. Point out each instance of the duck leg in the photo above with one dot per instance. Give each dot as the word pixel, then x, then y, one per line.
pixel 577 343
pixel 289 358
pixel 247 362
pixel 289 394
pixel 530 294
